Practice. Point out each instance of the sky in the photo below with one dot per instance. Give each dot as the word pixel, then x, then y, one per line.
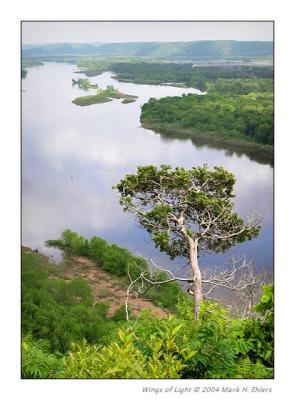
pixel 34 32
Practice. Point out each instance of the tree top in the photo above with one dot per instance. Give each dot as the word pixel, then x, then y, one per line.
pixel 175 203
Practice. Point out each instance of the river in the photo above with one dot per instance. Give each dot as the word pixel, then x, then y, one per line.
pixel 71 157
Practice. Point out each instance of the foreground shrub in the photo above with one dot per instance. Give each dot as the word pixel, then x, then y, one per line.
pixel 123 359
pixel 37 361
pixel 59 311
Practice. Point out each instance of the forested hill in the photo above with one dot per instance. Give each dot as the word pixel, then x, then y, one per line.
pixel 196 50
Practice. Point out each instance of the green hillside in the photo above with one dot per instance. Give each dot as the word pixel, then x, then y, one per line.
pixel 196 50
pixel 71 328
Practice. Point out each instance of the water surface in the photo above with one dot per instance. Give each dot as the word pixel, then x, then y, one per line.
pixel 71 157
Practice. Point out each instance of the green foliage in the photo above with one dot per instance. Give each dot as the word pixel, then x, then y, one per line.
pixel 27 63
pixel 245 369
pixel 120 262
pixel 158 196
pixel 186 75
pixel 215 346
pixel 260 332
pixel 113 361
pixel 120 314
pixel 163 295
pixel 247 117
pixel 84 83
pixel 102 96
pixel 266 304
pixel 77 291
pixel 122 358
pixel 71 242
pixel 115 259
pixel 89 100
pixel 59 311
pixel 236 87
pixel 37 361
pixel 128 100
pixel 93 72
pixel 74 243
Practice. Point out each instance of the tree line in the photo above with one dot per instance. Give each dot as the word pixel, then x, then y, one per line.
pixel 197 77
pixel 246 117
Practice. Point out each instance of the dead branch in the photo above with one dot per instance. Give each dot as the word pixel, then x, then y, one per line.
pixel 146 277
pixel 240 280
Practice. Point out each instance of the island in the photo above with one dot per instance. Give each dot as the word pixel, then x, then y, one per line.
pixel 128 100
pixel 103 96
pixel 90 72
pixel 84 84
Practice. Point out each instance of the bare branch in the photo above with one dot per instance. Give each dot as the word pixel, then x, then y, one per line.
pixel 142 278
pixel 241 280
pixel 132 282
pixel 157 267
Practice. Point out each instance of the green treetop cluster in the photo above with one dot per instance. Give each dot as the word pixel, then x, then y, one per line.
pixel 243 117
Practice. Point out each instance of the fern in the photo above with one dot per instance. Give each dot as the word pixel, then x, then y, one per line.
pixel 37 362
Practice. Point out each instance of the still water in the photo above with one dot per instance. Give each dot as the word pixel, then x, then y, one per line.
pixel 71 157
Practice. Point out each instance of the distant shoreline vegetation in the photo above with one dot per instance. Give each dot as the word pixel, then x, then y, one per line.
pixel 192 75
pixel 90 72
pixel 103 96
pixel 235 112
pixel 27 63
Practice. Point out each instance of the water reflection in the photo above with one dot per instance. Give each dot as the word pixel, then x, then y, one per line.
pixel 73 155
pixel 252 153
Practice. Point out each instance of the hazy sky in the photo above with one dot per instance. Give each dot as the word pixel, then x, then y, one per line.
pixel 83 32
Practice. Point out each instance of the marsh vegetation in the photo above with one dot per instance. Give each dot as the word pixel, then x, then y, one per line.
pixel 103 96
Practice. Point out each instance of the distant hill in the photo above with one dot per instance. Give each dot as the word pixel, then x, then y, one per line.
pixel 198 50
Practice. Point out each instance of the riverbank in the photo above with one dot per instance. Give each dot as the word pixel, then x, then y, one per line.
pixel 105 287
pixel 187 75
pixel 150 82
pixel 255 151
pixel 90 72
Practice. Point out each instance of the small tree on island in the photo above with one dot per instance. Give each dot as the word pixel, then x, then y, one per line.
pixel 187 212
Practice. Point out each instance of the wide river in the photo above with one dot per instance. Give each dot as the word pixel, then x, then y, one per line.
pixel 71 157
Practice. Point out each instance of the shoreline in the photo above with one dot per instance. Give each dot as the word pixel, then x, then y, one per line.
pixel 255 151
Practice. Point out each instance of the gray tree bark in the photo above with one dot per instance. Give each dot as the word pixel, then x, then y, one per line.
pixel 197 277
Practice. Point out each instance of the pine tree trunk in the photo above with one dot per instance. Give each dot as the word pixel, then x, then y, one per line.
pixel 197 278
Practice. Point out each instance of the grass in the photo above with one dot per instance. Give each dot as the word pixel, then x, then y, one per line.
pixel 89 100
pixel 103 96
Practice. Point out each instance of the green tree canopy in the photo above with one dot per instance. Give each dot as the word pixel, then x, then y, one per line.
pixel 186 212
